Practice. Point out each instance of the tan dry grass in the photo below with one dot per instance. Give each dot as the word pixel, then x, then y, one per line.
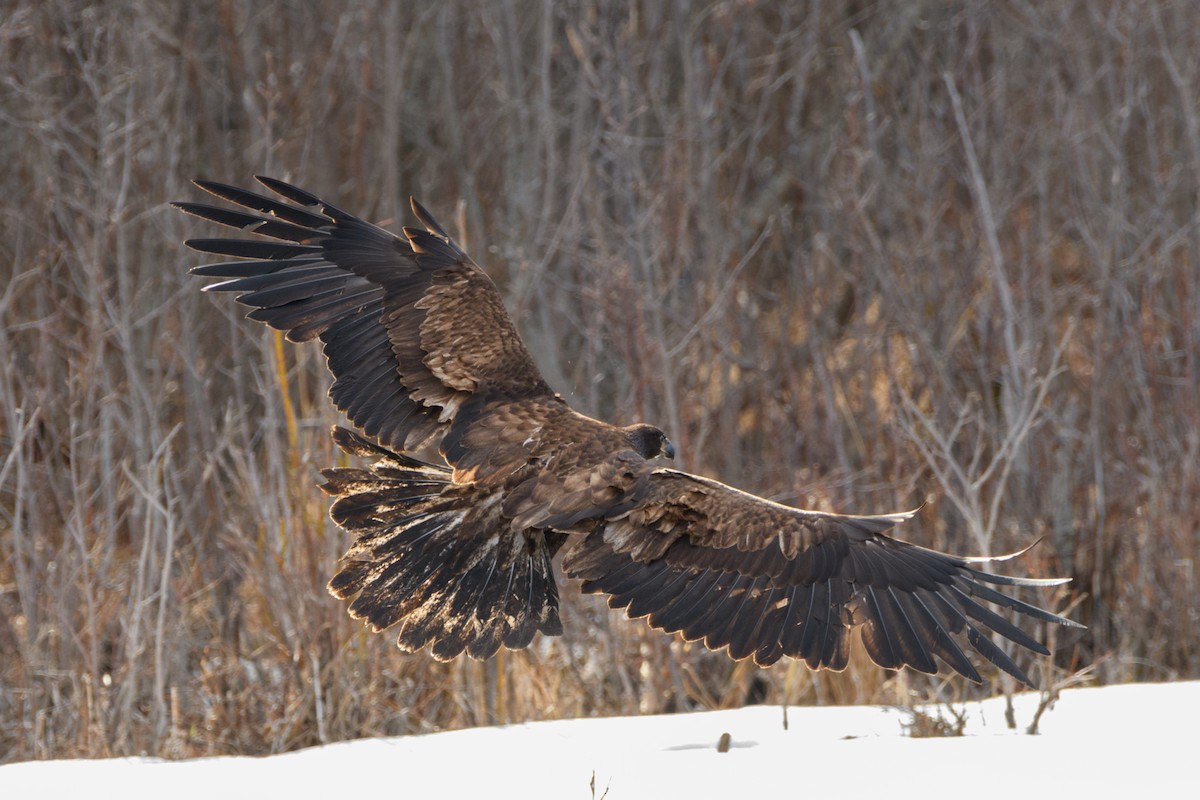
pixel 854 259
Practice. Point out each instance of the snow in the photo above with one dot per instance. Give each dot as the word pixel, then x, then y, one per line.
pixel 1133 738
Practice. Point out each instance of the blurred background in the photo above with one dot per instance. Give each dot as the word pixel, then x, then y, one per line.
pixel 851 256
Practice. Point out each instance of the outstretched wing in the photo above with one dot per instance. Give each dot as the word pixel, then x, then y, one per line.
pixel 412 327
pixel 767 580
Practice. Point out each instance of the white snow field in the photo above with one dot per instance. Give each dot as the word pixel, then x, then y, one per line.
pixel 1121 740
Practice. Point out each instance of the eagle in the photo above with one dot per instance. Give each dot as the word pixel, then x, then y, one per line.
pixel 457 556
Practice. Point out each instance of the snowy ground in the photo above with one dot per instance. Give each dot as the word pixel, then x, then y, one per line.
pixel 1121 739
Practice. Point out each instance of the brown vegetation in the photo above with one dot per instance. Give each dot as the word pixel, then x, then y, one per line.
pixel 855 257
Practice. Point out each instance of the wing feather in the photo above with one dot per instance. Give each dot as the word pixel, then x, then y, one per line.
pixel 652 594
pixel 835 651
pixel 744 635
pixel 676 612
pixel 813 638
pixel 257 202
pixel 721 603
pixel 939 640
pixel 252 249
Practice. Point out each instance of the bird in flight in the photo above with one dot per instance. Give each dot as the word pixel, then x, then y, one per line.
pixel 457 555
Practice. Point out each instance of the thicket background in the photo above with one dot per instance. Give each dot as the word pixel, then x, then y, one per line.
pixel 853 256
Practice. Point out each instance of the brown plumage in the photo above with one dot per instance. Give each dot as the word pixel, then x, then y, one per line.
pixel 458 556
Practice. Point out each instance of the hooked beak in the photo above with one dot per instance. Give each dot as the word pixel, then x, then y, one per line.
pixel 668 449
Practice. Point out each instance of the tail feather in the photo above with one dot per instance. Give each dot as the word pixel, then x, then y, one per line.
pixel 437 559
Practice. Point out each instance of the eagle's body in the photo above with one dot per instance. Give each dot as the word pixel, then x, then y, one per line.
pixel 459 555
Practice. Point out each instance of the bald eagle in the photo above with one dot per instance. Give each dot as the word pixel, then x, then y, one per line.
pixel 457 555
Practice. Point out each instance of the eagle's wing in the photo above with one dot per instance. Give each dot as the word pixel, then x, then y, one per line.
pixel 412 327
pixel 767 580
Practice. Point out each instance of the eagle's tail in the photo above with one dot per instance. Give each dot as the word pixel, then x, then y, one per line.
pixel 437 558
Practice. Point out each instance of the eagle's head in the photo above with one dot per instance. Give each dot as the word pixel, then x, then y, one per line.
pixel 649 442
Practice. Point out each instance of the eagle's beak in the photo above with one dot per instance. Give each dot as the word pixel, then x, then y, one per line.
pixel 668 449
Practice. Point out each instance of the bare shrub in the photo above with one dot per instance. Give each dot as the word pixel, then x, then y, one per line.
pixel 850 257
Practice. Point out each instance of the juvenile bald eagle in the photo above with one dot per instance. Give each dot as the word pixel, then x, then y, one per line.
pixel 458 555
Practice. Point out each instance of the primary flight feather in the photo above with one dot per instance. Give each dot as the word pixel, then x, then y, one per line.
pixel 458 555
